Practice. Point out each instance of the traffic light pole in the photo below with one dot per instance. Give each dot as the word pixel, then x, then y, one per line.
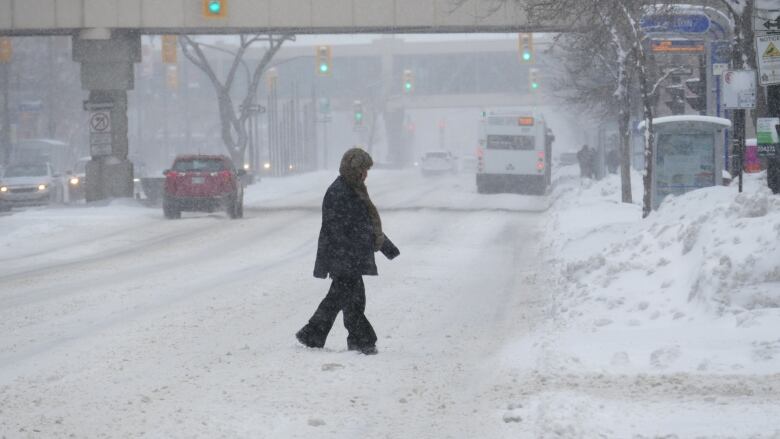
pixel 5 132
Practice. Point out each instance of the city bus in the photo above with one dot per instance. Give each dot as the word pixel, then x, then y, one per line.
pixel 514 154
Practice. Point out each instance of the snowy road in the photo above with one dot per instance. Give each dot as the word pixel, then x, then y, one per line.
pixel 185 328
pixel 117 323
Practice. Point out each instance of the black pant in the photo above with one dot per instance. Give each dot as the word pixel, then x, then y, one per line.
pixel 348 295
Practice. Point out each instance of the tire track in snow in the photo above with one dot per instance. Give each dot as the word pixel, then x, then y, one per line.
pixel 187 291
pixel 155 251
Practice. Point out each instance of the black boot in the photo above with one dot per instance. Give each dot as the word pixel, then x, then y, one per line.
pixel 365 350
pixel 305 338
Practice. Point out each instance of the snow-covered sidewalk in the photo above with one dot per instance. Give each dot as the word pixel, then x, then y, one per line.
pixel 665 327
pixel 695 287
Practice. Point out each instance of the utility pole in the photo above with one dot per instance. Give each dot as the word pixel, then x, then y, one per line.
pixel 51 121
pixel 6 52
pixel 5 133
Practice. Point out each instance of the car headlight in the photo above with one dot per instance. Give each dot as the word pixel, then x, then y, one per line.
pixel 3 189
pixel 41 187
pixel 136 180
pixel 74 181
pixel 266 165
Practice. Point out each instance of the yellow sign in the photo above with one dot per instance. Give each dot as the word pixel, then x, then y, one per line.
pixel 771 51
pixel 6 50
pixel 169 49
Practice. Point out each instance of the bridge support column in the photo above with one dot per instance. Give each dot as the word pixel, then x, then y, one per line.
pixel 107 59
pixel 397 142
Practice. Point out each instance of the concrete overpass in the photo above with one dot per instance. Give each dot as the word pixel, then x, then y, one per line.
pixel 34 17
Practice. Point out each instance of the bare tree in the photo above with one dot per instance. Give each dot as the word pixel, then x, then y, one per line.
pixel 234 121
pixel 620 20
pixel 597 75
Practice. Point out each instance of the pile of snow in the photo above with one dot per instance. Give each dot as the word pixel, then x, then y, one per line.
pixel 693 287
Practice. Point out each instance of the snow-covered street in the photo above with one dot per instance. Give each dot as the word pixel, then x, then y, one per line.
pixel 115 322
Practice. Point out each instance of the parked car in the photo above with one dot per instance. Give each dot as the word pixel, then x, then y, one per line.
pixel 203 183
pixel 438 162
pixel 29 185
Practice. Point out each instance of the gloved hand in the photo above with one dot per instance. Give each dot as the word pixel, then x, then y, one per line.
pixel 389 249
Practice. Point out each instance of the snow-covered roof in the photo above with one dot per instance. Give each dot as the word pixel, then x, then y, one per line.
pixel 689 118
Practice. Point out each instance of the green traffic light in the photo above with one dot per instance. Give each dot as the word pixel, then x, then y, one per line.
pixel 526 56
pixel 534 85
pixel 324 68
pixel 408 86
pixel 358 116
pixel 215 7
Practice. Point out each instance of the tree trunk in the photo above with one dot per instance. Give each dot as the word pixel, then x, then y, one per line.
pixel 647 105
pixel 624 126
pixel 625 155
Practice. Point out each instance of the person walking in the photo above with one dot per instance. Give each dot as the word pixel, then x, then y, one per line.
pixel 613 161
pixel 584 157
pixel 351 232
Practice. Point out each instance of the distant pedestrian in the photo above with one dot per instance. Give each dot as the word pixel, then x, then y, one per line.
pixel 586 158
pixel 613 161
pixel 351 232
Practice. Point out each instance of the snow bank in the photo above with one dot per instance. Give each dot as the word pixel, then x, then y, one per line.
pixel 693 287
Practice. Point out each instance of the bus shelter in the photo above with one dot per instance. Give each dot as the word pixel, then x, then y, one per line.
pixel 686 151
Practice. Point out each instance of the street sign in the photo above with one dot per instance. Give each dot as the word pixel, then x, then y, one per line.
pixel 94 106
pixel 766 21
pixel 31 106
pixel 738 88
pixel 677 46
pixel 259 109
pixel 720 55
pixel 676 23
pixel 768 56
pixel 767 139
pixel 100 133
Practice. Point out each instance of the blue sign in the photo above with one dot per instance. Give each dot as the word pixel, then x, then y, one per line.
pixel 720 52
pixel 679 23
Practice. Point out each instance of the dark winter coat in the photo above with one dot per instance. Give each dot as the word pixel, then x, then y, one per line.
pixel 346 243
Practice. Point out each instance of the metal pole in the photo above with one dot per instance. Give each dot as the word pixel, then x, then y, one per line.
pixel 739 143
pixel 5 140
pixel 51 122
pixel 186 93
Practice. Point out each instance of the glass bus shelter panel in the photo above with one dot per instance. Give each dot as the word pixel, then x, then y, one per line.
pixel 685 161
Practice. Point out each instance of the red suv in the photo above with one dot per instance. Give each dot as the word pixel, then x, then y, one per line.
pixel 203 183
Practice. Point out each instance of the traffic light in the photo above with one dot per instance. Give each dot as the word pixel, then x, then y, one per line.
pixel 324 58
pixel 172 77
pixel 526 46
pixel 408 83
pixel 214 8
pixel 6 49
pixel 533 79
pixel 677 98
pixel 357 108
pixel 324 104
pixel 169 49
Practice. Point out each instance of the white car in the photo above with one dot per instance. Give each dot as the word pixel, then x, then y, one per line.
pixel 28 185
pixel 438 162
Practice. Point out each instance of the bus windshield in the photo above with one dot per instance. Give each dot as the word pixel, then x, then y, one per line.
pixel 513 143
